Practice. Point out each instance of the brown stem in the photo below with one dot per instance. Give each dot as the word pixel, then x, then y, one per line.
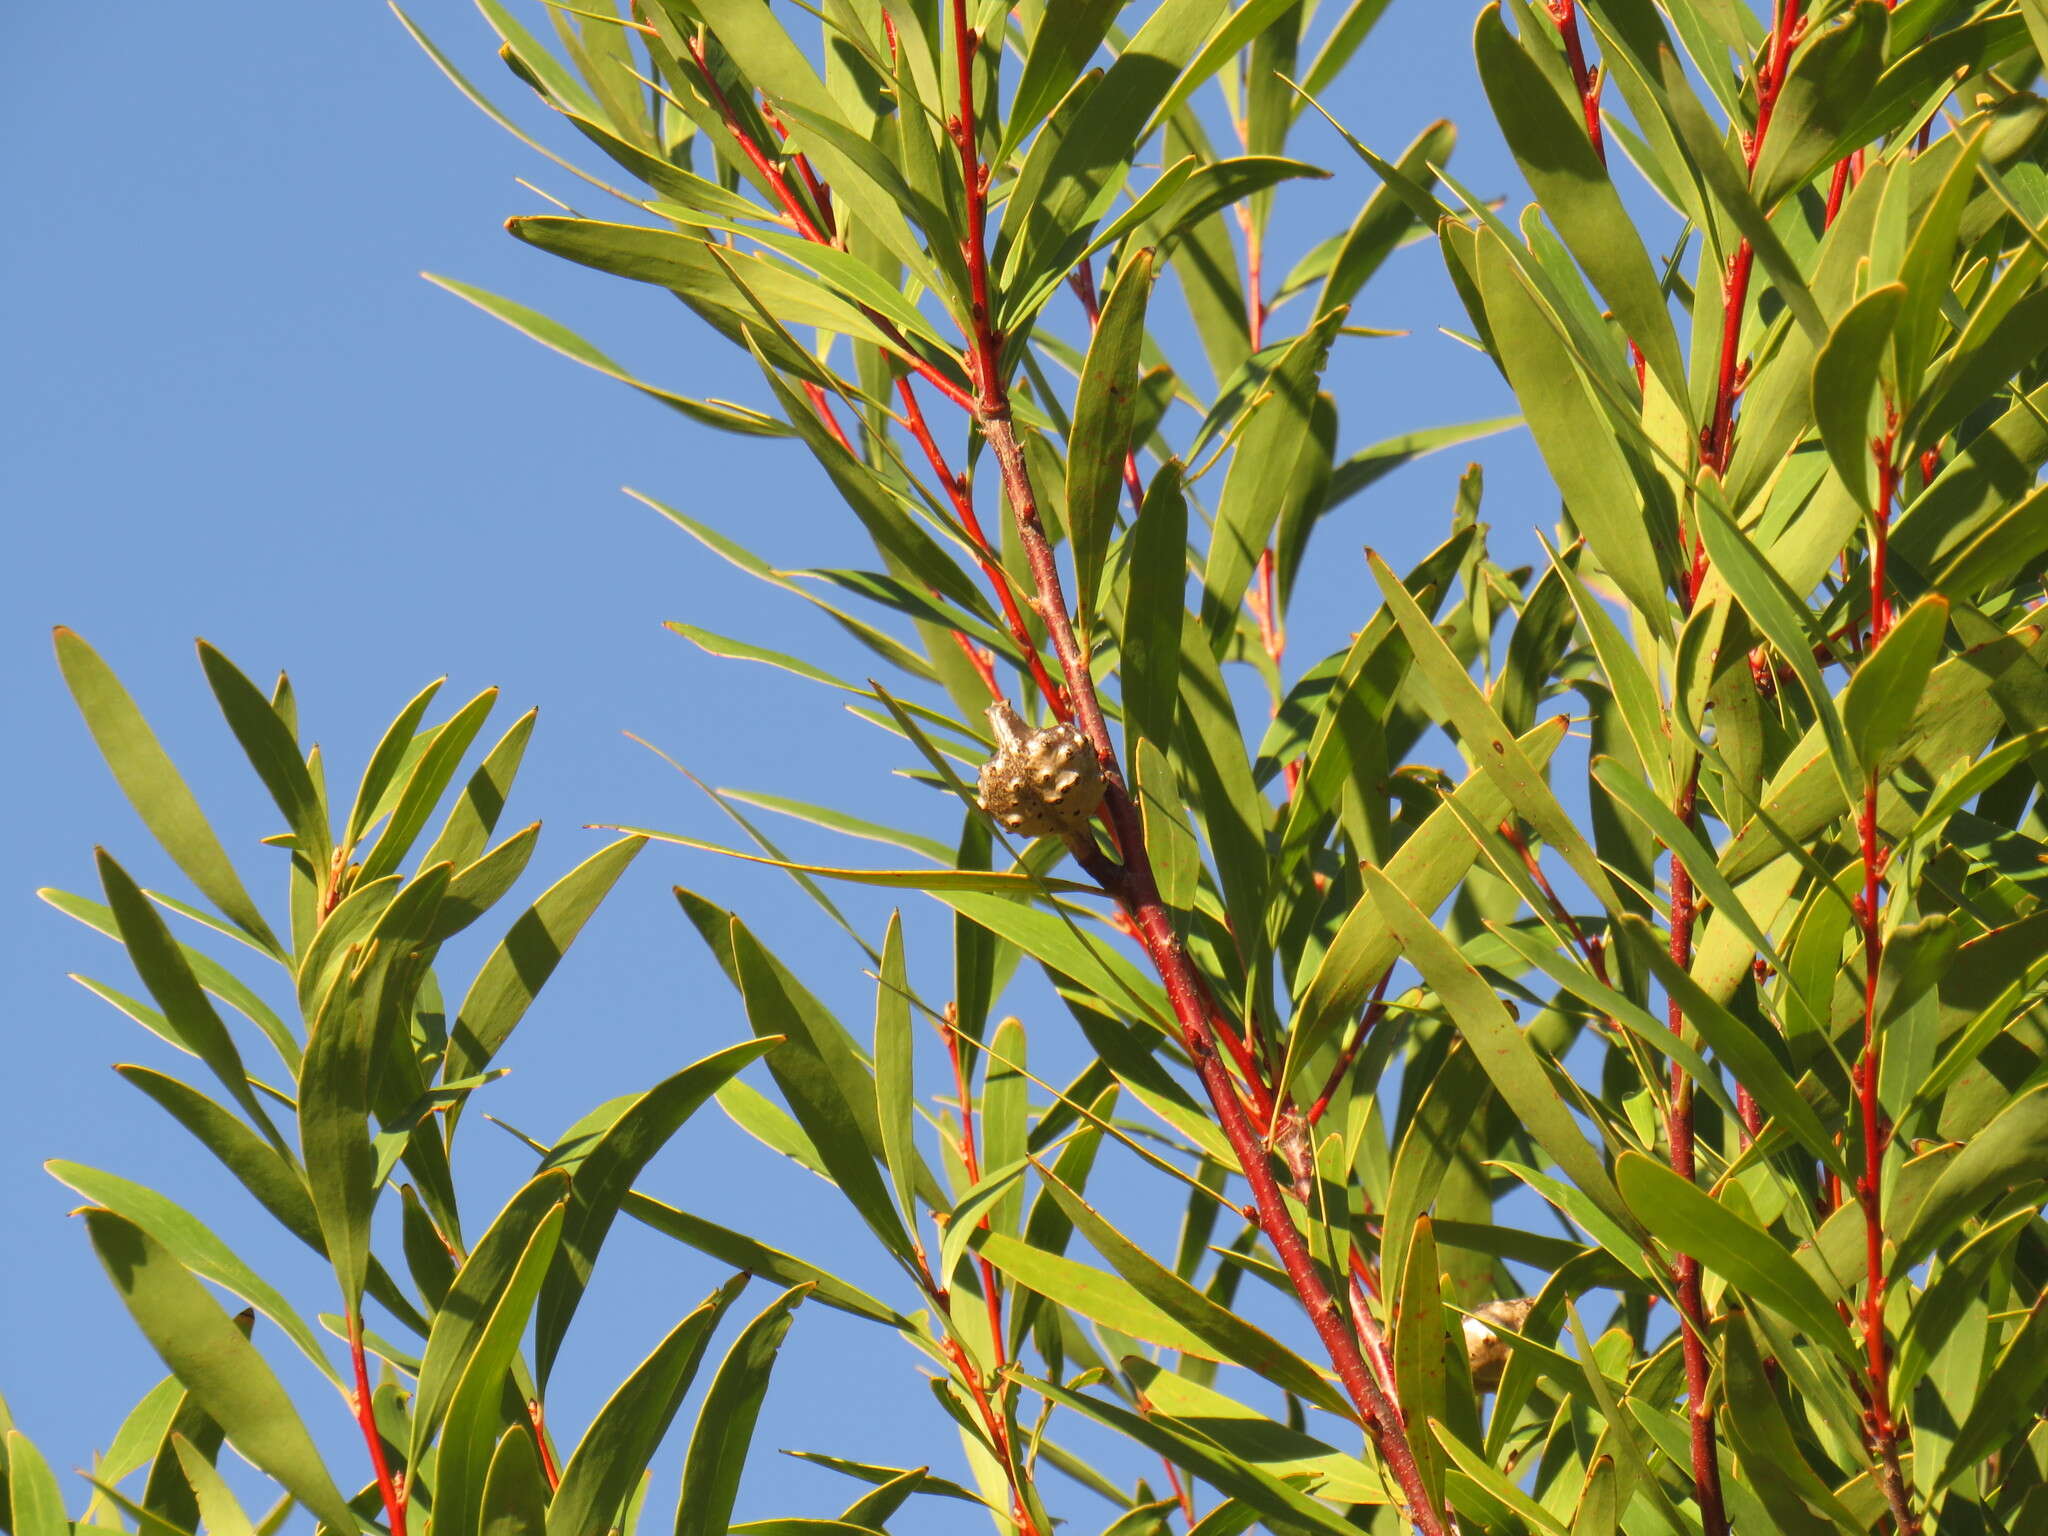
pixel 389 1488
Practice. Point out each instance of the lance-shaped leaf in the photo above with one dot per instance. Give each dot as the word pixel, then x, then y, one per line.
pixel 223 1372
pixel 1847 399
pixel 1503 1048
pixel 757 1258
pixel 151 782
pixel 1550 144
pixel 508 981
pixel 219 1512
pixel 272 751
pixel 474 1421
pixel 516 1492
pixel 1184 1444
pixel 424 785
pixel 725 1423
pixel 622 1438
pixel 160 961
pixel 604 1172
pixel 1276 460
pixel 477 1288
pixel 1429 866
pixel 1885 691
pixel 1101 437
pixel 1579 444
pixel 2009 1152
pixel 1750 1259
pixel 194 1245
pixel 1150 654
pixel 34 1498
pixel 1226 1334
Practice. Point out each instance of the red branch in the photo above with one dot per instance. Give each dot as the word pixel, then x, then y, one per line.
pixel 1131 882
pixel 1565 14
pixel 1883 1431
pixel 389 1488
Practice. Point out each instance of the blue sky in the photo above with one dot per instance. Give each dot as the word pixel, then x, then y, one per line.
pixel 236 411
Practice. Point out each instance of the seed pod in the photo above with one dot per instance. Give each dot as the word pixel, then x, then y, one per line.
pixel 1486 1352
pixel 1044 783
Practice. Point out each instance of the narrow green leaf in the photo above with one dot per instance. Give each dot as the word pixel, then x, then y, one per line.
pixel 604 1173
pixel 515 971
pixel 272 751
pixel 757 1258
pixel 725 1424
pixel 1885 691
pixel 516 1493
pixel 1517 1069
pixel 474 1420
pixel 477 1288
pixel 1847 400
pixel 151 782
pixel 219 1512
pixel 1101 437
pixel 1150 654
pixel 1693 1222
pixel 614 1452
pixel 35 1501
pixel 225 1375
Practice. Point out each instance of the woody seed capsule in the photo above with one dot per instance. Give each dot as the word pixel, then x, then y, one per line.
pixel 1044 783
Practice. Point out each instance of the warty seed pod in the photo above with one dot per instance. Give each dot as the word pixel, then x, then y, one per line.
pixel 1043 783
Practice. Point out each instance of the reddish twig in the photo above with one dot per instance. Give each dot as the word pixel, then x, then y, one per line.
pixel 998 578
pixel 1374 1012
pixel 1565 15
pixel 1131 882
pixel 538 1416
pixel 391 1489
pixel 1883 1431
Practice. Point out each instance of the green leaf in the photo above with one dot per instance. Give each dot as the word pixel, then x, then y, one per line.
pixel 516 1493
pixel 1782 617
pixel 334 1107
pixel 757 1258
pixel 385 762
pixel 895 1083
pixel 1429 866
pixel 151 782
pixel 687 266
pixel 273 752
pixel 219 1512
pixel 1227 1335
pixel 2008 1153
pixel 480 1283
pixel 1885 690
pixel 1093 1293
pixel 1998 1415
pixel 1579 444
pixel 224 1374
pixel 160 961
pixel 474 1420
pixel 1847 399
pixel 1693 1222
pixel 1184 1444
pixel 475 815
pixel 621 1440
pixel 193 1244
pixel 1149 667
pixel 1384 221
pixel 1572 185
pixel 604 1173
pixel 1276 462
pixel 425 785
pixel 35 1501
pixel 823 1104
pixel 1832 74
pixel 1101 437
pixel 1518 1071
pixel 725 1423
pixel 515 971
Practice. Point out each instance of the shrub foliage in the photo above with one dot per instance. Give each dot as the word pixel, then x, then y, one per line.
pixel 1647 1139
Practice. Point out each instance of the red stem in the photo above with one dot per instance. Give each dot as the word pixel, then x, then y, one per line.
pixel 1565 14
pixel 806 226
pixel 998 578
pixel 1374 1012
pixel 1876 1129
pixel 389 1488
pixel 548 1466
pixel 1131 882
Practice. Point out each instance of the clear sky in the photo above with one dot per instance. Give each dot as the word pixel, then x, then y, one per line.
pixel 234 410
